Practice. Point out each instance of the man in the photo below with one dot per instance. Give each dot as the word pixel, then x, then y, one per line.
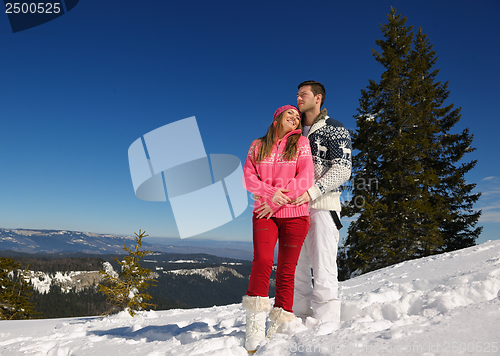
pixel 331 150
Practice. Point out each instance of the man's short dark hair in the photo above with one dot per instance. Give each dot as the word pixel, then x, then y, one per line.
pixel 316 88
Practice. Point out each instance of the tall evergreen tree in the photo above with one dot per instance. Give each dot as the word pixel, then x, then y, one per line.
pixel 125 289
pixel 14 292
pixel 409 191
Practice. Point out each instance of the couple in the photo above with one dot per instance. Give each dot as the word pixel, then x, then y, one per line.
pixel 295 172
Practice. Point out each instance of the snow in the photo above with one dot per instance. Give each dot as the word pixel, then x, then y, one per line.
pixel 108 268
pixel 447 304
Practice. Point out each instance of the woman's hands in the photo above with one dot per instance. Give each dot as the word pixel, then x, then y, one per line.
pixel 281 199
pixel 264 210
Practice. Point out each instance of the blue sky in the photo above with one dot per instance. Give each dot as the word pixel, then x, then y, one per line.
pixel 77 91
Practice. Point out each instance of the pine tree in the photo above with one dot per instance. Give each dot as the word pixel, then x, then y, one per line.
pixel 14 292
pixel 124 289
pixel 410 197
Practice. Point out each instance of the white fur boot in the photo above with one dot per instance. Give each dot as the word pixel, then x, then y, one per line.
pixel 329 311
pixel 278 317
pixel 256 314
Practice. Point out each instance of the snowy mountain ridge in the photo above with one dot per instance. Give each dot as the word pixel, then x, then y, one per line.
pixel 65 241
pixel 210 273
pixel 28 232
pixel 36 241
pixel 78 280
pixel 446 304
pixel 68 281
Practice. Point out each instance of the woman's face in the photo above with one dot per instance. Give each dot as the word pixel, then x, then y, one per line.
pixel 290 120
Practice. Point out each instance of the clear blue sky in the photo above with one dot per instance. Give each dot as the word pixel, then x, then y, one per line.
pixel 77 91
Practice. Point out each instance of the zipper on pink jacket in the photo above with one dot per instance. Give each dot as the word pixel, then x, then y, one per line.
pixel 277 150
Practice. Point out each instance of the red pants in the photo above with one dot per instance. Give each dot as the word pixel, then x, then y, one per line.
pixel 290 232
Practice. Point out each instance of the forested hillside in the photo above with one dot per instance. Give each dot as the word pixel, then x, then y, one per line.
pixel 66 286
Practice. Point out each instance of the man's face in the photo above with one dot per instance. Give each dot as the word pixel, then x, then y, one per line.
pixel 306 100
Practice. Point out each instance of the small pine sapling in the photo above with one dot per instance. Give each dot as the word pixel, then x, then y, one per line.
pixel 125 289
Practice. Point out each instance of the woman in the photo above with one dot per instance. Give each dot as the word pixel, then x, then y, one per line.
pixel 278 169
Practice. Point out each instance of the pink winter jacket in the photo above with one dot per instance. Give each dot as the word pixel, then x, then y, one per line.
pixel 274 172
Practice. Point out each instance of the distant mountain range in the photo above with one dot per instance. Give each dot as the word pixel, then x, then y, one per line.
pixel 65 284
pixel 63 269
pixel 71 242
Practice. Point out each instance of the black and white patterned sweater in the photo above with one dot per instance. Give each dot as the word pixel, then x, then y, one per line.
pixel 331 151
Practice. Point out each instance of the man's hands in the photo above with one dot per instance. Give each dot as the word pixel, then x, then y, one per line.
pixel 304 198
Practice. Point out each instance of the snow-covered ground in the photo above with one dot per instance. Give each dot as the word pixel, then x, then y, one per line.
pixel 441 305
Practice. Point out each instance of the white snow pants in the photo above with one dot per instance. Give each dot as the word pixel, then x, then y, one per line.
pixel 319 252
